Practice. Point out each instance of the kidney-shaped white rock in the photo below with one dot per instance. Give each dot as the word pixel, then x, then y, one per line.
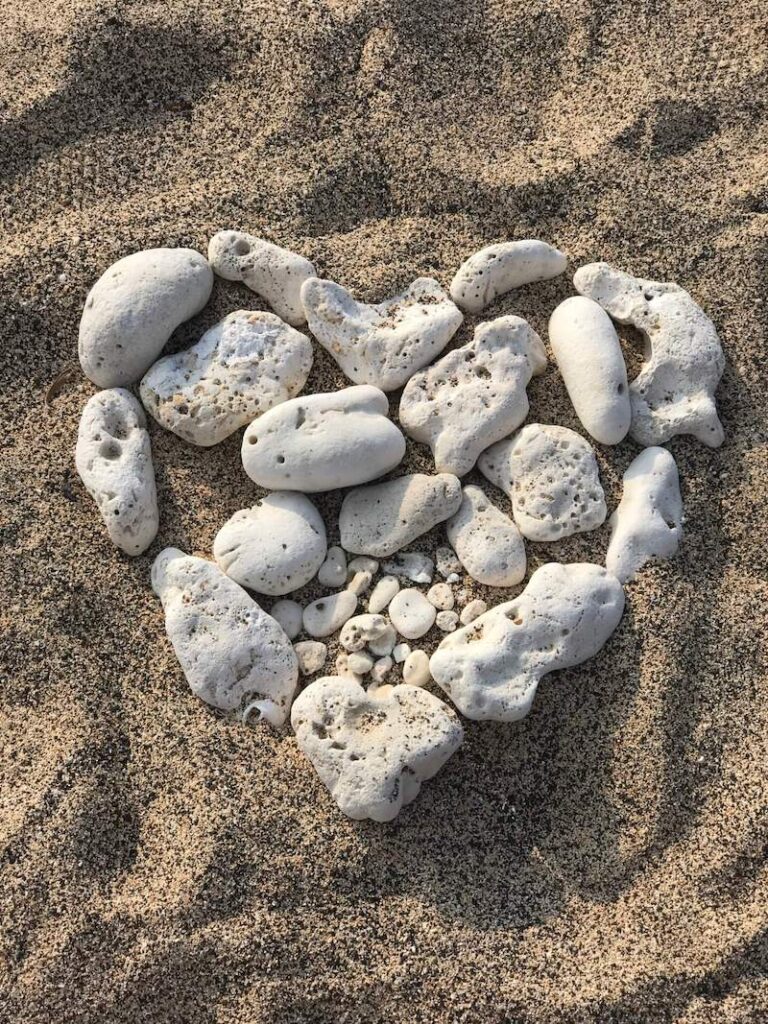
pixel 475 395
pixel 648 524
pixel 674 393
pixel 274 273
pixel 487 542
pixel 135 307
pixel 275 547
pixel 490 669
pixel 229 648
pixel 550 475
pixel 321 442
pixel 373 750
pixel 497 269
pixel 240 368
pixel 114 459
pixel 382 344
pixel 588 354
pixel 383 518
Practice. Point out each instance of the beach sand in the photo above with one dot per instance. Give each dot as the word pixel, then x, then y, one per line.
pixel 603 860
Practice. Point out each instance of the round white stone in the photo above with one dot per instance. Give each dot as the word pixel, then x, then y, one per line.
pixel 411 613
pixel 416 669
pixel 312 655
pixel 360 662
pixel 441 596
pixel 447 621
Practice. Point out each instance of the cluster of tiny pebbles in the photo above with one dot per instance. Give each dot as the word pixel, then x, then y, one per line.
pixel 374 730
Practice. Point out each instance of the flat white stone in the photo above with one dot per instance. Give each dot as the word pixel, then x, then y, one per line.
pixel 491 668
pixel 488 543
pixel 674 393
pixel 441 596
pixel 373 749
pixel 134 308
pixel 383 593
pixel 327 614
pixel 384 644
pixel 497 269
pixel 447 621
pixel 114 459
pixel 275 547
pixel 400 652
pixel 333 571
pixel 411 565
pixel 382 344
pixel 229 648
pixel 360 662
pixel 447 562
pixel 472 611
pixel 416 669
pixel 363 564
pixel 359 583
pixel 550 475
pixel 383 518
pixel 411 613
pixel 474 395
pixel 312 655
pixel 360 629
pixel 274 273
pixel 243 366
pixel 322 442
pixel 288 615
pixel 588 353
pixel 648 524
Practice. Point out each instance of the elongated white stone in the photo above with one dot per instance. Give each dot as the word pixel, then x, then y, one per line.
pixel 274 273
pixel 550 475
pixel 411 613
pixel 373 749
pixel 322 442
pixel 416 669
pixel 473 611
pixel 240 368
pixel 487 542
pixel 327 614
pixel 588 354
pixel 382 344
pixel 474 395
pixel 380 519
pixel 674 393
pixel 114 459
pixel 648 524
pixel 497 269
pixel 135 307
pixel 491 668
pixel 229 648
pixel 275 547
pixel 383 593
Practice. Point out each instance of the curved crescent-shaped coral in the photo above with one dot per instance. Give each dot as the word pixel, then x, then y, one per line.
pixel 674 393
pixel 497 269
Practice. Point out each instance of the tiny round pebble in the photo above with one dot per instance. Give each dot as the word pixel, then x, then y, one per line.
pixel 441 596
pixel 288 615
pixel 311 655
pixel 416 669
pixel 473 611
pixel 447 621
pixel 411 613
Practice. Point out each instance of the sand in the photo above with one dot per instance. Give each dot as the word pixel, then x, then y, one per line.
pixel 602 861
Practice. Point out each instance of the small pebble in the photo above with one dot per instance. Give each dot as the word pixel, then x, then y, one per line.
pixel 363 564
pixel 452 577
pixel 400 652
pixel 381 670
pixel 327 614
pixel 416 669
pixel 312 656
pixel 447 621
pixel 384 644
pixel 358 631
pixel 473 611
pixel 288 615
pixel 447 561
pixel 441 596
pixel 333 571
pixel 360 582
pixel 383 593
pixel 412 565
pixel 411 613
pixel 360 662
pixel 343 667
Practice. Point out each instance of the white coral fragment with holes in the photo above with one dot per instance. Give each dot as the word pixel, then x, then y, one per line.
pixel 497 269
pixel 550 475
pixel 114 459
pixel 674 393
pixel 381 344
pixel 487 542
pixel 233 654
pixel 373 749
pixel 491 668
pixel 647 525
pixel 274 273
pixel 475 395
pixel 240 368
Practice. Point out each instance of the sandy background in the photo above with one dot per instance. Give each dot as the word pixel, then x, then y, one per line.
pixel 602 861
